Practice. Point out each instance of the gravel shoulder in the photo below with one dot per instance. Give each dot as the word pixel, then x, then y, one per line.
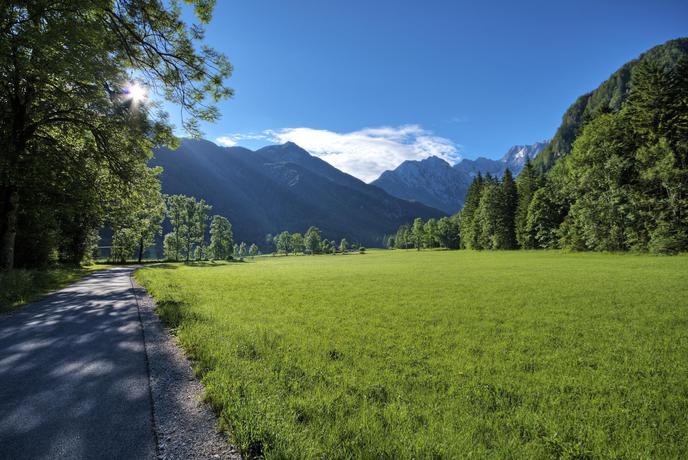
pixel 185 426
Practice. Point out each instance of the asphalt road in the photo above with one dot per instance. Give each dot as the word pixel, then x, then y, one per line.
pixel 73 375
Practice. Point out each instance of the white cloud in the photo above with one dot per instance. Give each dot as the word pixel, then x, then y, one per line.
pixel 226 141
pixel 368 152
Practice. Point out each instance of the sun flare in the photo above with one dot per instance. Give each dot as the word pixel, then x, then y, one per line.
pixel 136 92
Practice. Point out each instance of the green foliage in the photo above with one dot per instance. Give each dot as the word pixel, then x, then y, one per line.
pixel 545 215
pixel 284 243
pixel 189 219
pixel 75 147
pixel 297 243
pixel 401 354
pixel 489 218
pixel 444 232
pixel 20 286
pixel 621 179
pixel 527 184
pixel 431 235
pixel 627 174
pixel 343 246
pixel 313 240
pixel 221 238
pixel 418 233
pixel 608 97
pixel 470 228
pixel 449 232
pixel 403 240
pixel 509 209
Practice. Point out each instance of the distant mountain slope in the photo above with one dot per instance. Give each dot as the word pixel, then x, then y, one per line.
pixel 282 187
pixel 514 159
pixel 608 97
pixel 435 183
pixel 431 181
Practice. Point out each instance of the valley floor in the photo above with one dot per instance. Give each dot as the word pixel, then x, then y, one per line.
pixel 439 353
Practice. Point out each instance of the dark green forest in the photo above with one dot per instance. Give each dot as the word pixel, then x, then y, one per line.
pixel 614 178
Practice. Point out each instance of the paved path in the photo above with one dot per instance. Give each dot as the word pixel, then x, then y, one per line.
pixel 73 375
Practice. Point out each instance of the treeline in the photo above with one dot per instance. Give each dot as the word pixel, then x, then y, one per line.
pixel 434 233
pixel 190 221
pixel 76 128
pixel 496 212
pixel 624 186
pixel 312 242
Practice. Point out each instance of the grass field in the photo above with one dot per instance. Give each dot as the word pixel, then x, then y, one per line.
pixel 440 354
pixel 20 286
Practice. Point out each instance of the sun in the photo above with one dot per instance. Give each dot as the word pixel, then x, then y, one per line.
pixel 136 92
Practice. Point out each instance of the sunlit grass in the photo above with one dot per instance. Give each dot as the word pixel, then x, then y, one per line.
pixel 440 354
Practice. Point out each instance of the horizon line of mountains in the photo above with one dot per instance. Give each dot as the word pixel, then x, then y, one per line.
pixel 283 187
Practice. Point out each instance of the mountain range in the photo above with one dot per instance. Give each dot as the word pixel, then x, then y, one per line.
pixel 436 183
pixel 283 187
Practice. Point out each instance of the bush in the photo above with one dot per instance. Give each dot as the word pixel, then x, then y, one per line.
pixel 361 250
pixel 666 240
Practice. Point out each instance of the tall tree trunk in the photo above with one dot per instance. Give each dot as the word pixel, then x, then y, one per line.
pixel 140 249
pixel 10 207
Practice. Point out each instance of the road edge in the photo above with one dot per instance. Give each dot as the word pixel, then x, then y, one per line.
pixel 185 426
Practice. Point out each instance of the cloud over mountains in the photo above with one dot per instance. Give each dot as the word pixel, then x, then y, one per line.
pixel 365 153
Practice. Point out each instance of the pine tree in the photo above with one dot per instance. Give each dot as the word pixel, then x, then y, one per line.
pixel 527 183
pixel 509 209
pixel 469 232
pixel 489 218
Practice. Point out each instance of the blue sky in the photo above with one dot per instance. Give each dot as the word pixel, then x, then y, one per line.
pixel 367 84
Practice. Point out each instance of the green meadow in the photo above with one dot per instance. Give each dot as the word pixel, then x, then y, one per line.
pixel 443 354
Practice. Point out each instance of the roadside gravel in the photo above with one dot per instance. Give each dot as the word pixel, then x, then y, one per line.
pixel 186 427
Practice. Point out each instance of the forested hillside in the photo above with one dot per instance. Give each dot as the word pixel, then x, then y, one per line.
pixel 617 175
pixel 608 97
pixel 283 187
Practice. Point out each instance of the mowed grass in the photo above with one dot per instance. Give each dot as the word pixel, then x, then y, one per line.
pixel 399 354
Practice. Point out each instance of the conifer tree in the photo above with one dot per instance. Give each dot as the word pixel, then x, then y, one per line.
pixel 509 207
pixel 469 232
pixel 527 184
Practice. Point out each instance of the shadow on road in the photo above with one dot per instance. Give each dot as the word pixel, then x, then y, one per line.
pixel 73 375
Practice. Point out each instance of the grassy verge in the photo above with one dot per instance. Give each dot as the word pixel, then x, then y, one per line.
pixel 18 287
pixel 440 354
